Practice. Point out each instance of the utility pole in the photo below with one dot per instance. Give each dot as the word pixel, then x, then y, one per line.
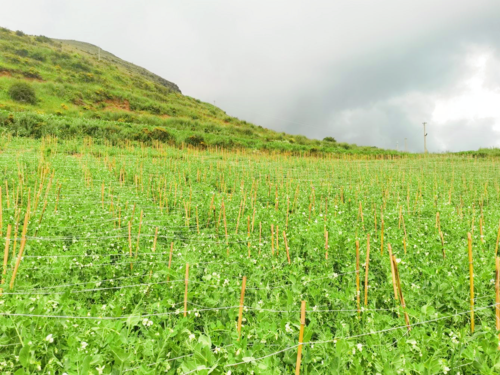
pixel 406 145
pixel 425 139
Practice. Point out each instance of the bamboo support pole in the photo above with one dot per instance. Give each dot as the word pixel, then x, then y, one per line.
pixel 401 298
pixel 130 243
pixel 286 247
pixel 21 249
pixel 393 273
pixel 471 275
pixel 301 336
pixel 242 298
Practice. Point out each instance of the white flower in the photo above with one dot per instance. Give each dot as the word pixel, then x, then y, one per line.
pixel 100 369
pixel 288 328
pixel 192 337
pixel 146 322
pixel 360 347
pixel 216 350
pixel 446 369
pixel 84 344
pixel 315 308
pixel 49 338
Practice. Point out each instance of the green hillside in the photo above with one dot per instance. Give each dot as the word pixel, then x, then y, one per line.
pixel 84 91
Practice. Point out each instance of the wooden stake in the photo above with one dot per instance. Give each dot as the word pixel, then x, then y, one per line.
pixel 21 250
pixel 186 281
pixel 301 336
pixel 403 304
pixel 471 274
pixel 242 298
pixel 286 247
pixel 393 273
pixel 366 270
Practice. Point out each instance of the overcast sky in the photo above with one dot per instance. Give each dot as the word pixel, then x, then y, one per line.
pixel 365 72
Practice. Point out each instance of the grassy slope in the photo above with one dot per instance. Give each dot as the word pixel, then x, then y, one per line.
pixel 72 84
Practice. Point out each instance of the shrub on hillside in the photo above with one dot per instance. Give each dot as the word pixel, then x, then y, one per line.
pixel 329 139
pixel 195 140
pixel 20 33
pixel 22 92
pixel 161 135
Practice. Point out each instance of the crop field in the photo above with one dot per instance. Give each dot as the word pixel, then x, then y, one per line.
pixel 148 260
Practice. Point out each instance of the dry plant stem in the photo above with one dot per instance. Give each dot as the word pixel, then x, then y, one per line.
pixel 367 267
pixel 301 336
pixel 471 275
pixel 186 281
pixel 242 298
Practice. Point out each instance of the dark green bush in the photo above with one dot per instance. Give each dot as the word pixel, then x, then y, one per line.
pixel 329 139
pixel 43 39
pixel 195 140
pixel 20 33
pixel 161 134
pixel 22 92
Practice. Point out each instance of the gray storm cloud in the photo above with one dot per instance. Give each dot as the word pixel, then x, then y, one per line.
pixel 363 72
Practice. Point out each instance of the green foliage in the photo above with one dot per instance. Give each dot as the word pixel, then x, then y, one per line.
pixel 329 139
pixel 195 140
pixel 22 92
pixel 20 33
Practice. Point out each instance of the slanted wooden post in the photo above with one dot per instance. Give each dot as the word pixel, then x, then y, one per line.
pixel 242 298
pixel 301 336
pixel 403 304
pixel 393 273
